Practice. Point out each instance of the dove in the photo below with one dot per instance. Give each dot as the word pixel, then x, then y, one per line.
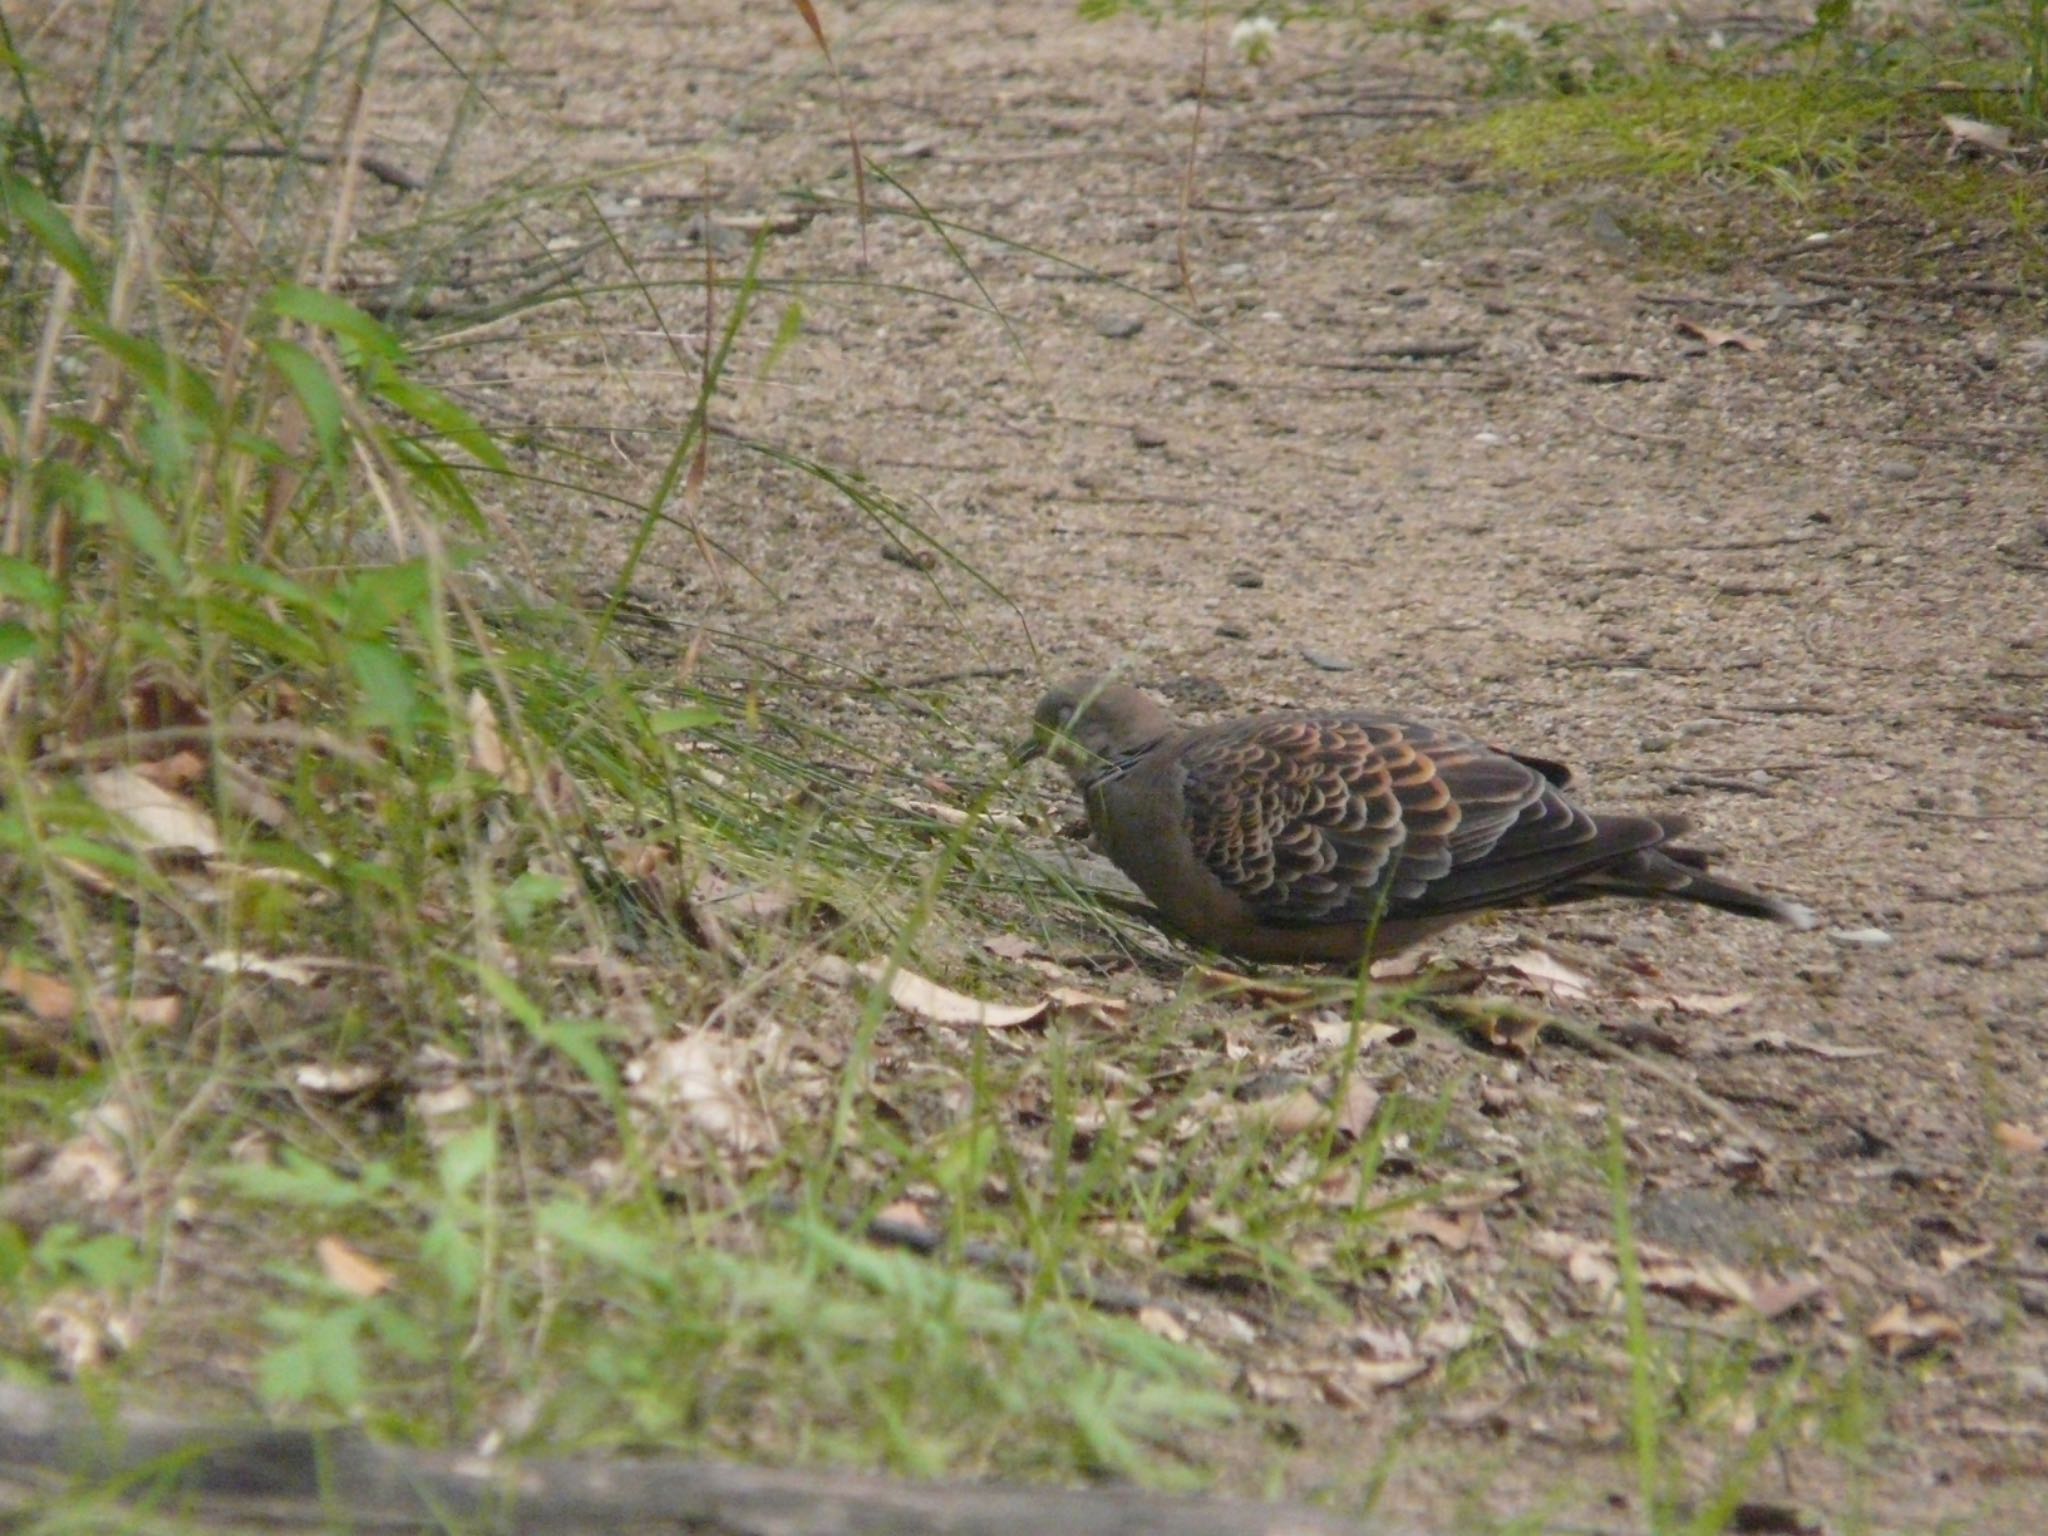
pixel 1334 836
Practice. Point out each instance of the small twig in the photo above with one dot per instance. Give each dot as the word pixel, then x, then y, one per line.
pixel 1187 183
pixel 54 1447
pixel 115 748
pixel 1423 348
pixel 372 165
pixel 961 675
pixel 1915 285
pixel 1259 210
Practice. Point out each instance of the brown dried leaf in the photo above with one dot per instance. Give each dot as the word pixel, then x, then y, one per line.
pixel 1163 1323
pixel 1453 1232
pixel 1291 1114
pixel 1507 1030
pixel 160 819
pixel 1716 338
pixel 2019 1140
pixel 1354 1112
pixel 1708 1005
pixel 1210 980
pixel 486 743
pixel 350 1270
pixel 700 1077
pixel 160 1012
pixel 1908 1328
pixel 1549 976
pixel 904 1213
pixel 174 772
pixel 1948 1260
pixel 297 971
pixel 1012 946
pixel 344 1081
pixel 1991 138
pixel 1368 1376
pixel 1331 1029
pixel 49 998
pixel 924 998
pixel 1088 1007
pixel 1696 1282
pixel 1774 1299
pixel 1778 1040
pixel 81 1332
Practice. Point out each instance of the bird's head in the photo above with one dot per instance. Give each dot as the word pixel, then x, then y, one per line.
pixel 1088 722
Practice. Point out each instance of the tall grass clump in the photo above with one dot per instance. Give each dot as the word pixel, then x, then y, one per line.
pixel 350 876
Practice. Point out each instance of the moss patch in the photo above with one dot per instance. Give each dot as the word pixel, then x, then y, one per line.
pixel 1822 148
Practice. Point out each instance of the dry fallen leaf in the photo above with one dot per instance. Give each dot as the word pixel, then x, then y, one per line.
pixel 1546 973
pixel 924 998
pixel 302 971
pixel 1344 1385
pixel 160 1012
pixel 1162 1322
pixel 1716 338
pixel 700 1078
pixel 49 998
pixel 1211 980
pixel 486 743
pixel 1907 1328
pixel 1708 1005
pixel 160 818
pixel 1778 1040
pixel 1509 1030
pixel 1776 1298
pixel 903 1215
pixel 1332 1029
pixel 1354 1112
pixel 1989 137
pixel 1948 1260
pixel 174 772
pixel 2019 1140
pixel 82 1332
pixel 340 1082
pixel 350 1270
pixel 1453 1232
pixel 1088 1007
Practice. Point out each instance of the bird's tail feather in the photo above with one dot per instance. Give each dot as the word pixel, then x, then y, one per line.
pixel 1680 874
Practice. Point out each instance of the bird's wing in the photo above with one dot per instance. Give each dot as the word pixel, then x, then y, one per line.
pixel 1320 819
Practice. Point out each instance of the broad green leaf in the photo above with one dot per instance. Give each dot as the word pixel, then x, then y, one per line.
pixel 26 582
pixel 48 226
pixel 378 596
pixel 465 1158
pixel 298 1180
pixel 691 717
pixel 436 411
pixel 363 338
pixel 137 519
pixel 16 642
pixel 389 700
pixel 603 1238
pixel 316 392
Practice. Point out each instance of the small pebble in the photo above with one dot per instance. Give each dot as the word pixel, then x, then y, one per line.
pixel 1325 661
pixel 1119 327
pixel 1900 470
pixel 1233 632
pixel 1860 938
pixel 1148 437
pixel 1245 576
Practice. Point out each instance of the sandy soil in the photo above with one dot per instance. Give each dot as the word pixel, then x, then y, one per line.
pixel 1795 592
